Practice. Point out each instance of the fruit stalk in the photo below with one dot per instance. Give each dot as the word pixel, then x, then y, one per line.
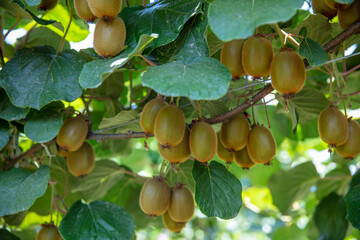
pixel 66 31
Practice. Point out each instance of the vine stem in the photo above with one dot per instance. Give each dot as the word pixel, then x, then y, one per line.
pixel 339 78
pixel 331 45
pixel 66 31
pixel 2 40
pixel 52 184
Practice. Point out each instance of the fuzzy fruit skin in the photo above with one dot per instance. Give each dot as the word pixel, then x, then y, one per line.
pixel 109 37
pixel 335 5
pixel 169 126
pixel 231 57
pixel 319 6
pixel 203 141
pixel 235 132
pixel 171 225
pixel 242 159
pixel 222 153
pixel 72 133
pixel 81 162
pixel 287 72
pixel 148 115
pixel 261 145
pixel 351 148
pixel 83 10
pixel 61 152
pixel 178 154
pixel 333 126
pixel 105 8
pixel 155 197
pixel 349 15
pixel 257 55
pixel 48 233
pixel 182 205
pixel 46 5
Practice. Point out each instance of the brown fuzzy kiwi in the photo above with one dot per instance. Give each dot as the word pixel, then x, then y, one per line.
pixel 222 153
pixel 46 5
pixel 242 159
pixel 171 225
pixel 105 8
pixel 182 205
pixel 83 10
pixel 48 232
pixel 235 132
pixel 81 162
pixel 72 133
pixel 319 6
pixel 203 141
pixel 231 55
pixel 349 15
pixel 351 148
pixel 261 145
pixel 148 115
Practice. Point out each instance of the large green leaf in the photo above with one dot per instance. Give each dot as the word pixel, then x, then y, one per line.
pixel 96 71
pixel 232 19
pixel 189 46
pixel 352 200
pixel 43 125
pixel 36 77
pixel 291 185
pixel 95 185
pixel 205 79
pixel 19 189
pixel 217 191
pixel 8 111
pixel 123 122
pixel 6 235
pixel 313 51
pixel 4 133
pixel 97 220
pixel 336 180
pixel 330 218
pixel 164 17
pixel 186 177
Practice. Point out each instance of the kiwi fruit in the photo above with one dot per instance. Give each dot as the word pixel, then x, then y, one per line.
pixel 148 115
pixel 351 148
pixel 171 225
pixel 48 232
pixel 106 9
pixel 109 37
pixel 72 133
pixel 182 205
pixel 155 196
pixel 46 5
pixel 257 55
pixel 222 153
pixel 81 162
pixel 242 159
pixel 203 141
pixel 261 146
pixel 335 5
pixel 83 10
pixel 231 57
pixel 319 6
pixel 169 126
pixel 235 132
pixel 179 153
pixel 333 126
pixel 349 15
pixel 287 72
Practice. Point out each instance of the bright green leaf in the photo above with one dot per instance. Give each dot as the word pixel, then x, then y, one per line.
pixel 206 79
pixel 97 220
pixel 288 186
pixel 36 77
pixel 330 218
pixel 91 75
pixel 19 189
pixel 232 19
pixel 313 51
pixel 8 111
pixel 4 133
pixel 292 232
pixel 217 191
pixel 43 125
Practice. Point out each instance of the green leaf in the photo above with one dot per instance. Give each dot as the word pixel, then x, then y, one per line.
pixel 6 235
pixel 189 46
pixel 347 2
pixel 336 180
pixel 19 189
pixel 33 2
pixel 4 133
pixel 36 19
pixel 36 77
pixel 288 186
pixel 206 79
pixel 294 116
pixel 313 51
pixel 309 102
pixel 164 17
pixel 330 218
pixel 293 232
pixel 352 200
pixel 43 125
pixel 95 185
pixel 8 111
pixel 217 191
pixel 232 19
pixel 97 220
pixel 123 122
pixel 185 175
pixel 92 74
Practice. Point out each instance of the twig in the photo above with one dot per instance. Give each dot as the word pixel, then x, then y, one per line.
pixel 151 63
pixel 66 31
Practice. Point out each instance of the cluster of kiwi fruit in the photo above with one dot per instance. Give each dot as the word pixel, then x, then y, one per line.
pixel 110 30
pixel 339 132
pixel 347 14
pixel 48 231
pixel 176 205
pixel 80 155
pixel 254 56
